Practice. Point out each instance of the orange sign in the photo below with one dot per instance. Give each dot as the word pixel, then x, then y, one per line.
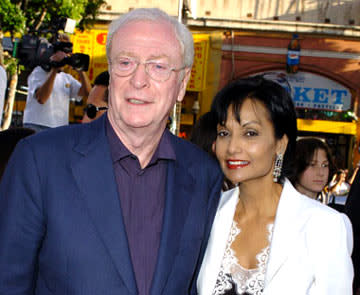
pixel 198 72
pixel 101 38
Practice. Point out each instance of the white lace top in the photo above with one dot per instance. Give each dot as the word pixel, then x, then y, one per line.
pixel 236 280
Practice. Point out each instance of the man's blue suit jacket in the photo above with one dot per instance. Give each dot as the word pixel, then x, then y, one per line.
pixel 61 226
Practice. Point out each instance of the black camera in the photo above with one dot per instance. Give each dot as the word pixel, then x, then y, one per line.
pixel 36 51
pixel 77 61
pixel 33 50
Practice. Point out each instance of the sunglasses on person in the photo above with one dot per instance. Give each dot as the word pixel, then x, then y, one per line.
pixel 91 110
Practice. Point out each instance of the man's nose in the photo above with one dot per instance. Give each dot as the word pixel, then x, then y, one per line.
pixel 139 78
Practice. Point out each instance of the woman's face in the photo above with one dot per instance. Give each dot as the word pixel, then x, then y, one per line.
pixel 246 151
pixel 316 175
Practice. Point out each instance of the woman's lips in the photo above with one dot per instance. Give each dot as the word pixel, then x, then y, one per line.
pixel 234 164
pixel 318 181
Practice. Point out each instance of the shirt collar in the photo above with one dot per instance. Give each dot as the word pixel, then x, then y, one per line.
pixel 119 151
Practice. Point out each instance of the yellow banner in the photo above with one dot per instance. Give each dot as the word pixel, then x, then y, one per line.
pixel 197 80
pixel 93 43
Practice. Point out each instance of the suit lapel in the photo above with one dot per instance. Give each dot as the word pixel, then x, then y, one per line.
pixel 179 188
pixel 287 226
pixel 217 242
pixel 93 172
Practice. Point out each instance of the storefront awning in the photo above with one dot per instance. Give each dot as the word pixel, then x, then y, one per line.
pixel 327 126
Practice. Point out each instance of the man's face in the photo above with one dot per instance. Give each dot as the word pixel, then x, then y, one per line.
pixel 138 101
pixel 97 98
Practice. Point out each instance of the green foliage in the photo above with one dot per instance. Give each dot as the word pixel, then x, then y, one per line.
pixel 11 65
pixel 43 14
pixel 28 16
pixel 12 18
pixel 90 13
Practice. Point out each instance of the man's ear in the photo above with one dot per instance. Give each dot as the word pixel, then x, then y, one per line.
pixel 183 84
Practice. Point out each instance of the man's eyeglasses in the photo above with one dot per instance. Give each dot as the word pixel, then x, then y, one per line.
pixel 157 71
pixel 91 110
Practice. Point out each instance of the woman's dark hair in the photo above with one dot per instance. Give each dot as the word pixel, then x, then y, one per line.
pixel 276 100
pixel 305 149
pixel 102 79
pixel 204 132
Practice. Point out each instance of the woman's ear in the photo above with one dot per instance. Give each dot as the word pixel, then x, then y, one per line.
pixel 282 144
pixel 213 147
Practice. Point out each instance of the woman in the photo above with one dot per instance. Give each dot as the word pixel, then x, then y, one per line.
pixel 267 238
pixel 313 166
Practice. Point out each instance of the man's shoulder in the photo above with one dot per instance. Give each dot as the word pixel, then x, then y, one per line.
pixel 61 138
pixel 36 74
pixel 38 70
pixel 190 153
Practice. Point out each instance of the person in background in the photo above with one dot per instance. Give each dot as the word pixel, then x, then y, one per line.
pixel 50 91
pixel 204 133
pixel 3 86
pixel 267 238
pixel 8 140
pixel 97 101
pixel 314 166
pixel 118 205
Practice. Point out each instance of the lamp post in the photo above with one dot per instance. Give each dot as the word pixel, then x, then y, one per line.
pixel 176 112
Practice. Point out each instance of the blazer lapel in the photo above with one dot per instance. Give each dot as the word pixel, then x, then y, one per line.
pixel 94 174
pixel 179 188
pixel 217 242
pixel 287 226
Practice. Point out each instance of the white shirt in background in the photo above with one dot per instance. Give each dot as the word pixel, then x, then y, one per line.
pixel 55 111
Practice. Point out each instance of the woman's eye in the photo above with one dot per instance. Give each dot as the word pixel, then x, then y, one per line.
pixel 222 133
pixel 251 133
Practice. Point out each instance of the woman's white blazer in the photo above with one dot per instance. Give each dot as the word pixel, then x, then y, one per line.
pixel 310 251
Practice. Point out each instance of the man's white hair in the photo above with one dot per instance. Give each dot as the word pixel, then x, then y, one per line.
pixel 182 33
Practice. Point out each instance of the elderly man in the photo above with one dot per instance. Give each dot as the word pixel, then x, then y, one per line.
pixel 118 205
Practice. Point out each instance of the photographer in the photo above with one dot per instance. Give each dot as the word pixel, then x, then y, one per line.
pixel 50 91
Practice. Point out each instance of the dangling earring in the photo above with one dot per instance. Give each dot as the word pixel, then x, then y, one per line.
pixel 278 167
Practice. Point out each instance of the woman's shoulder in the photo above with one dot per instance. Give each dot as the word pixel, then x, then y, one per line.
pixel 229 198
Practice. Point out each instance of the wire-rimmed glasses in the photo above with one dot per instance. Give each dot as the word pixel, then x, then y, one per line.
pixel 160 72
